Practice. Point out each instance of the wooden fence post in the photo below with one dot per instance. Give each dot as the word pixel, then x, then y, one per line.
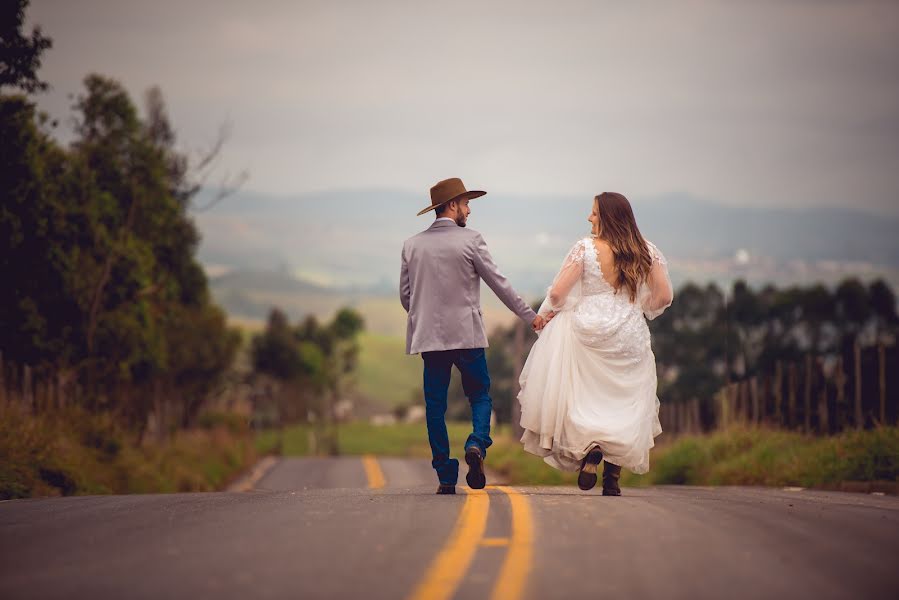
pixel 808 393
pixel 778 393
pixel 722 419
pixel 697 416
pixel 881 381
pixel 859 419
pixel 736 414
pixel 791 397
pixel 840 383
pixel 754 394
pixel 823 417
pixel 745 408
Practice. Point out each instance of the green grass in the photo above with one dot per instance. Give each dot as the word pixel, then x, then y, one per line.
pixel 758 456
pixel 734 457
pixel 386 374
pixel 74 452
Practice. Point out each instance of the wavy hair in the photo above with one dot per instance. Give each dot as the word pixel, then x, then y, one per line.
pixel 618 228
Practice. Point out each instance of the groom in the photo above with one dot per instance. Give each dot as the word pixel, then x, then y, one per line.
pixel 440 288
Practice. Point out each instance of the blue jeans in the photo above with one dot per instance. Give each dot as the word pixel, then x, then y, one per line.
pixel 472 364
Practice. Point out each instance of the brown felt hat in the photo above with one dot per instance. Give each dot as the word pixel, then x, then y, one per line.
pixel 447 191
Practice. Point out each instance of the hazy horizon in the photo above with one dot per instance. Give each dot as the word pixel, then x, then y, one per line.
pixel 787 104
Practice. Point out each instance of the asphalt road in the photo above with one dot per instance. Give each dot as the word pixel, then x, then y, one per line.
pixel 373 528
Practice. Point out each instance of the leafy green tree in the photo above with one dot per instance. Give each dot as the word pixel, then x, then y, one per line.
pixel 853 309
pixel 38 319
pixel 276 352
pixel 97 250
pixel 311 361
pixel 200 349
pixel 883 306
pixel 20 55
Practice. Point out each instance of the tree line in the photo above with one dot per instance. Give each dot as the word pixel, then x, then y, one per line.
pixel 764 348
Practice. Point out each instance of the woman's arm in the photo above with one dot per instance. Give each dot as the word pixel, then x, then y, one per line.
pixel 659 294
pixel 568 275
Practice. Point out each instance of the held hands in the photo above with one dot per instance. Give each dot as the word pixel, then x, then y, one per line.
pixel 541 321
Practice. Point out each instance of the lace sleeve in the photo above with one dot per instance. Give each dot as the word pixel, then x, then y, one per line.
pixel 657 291
pixel 567 277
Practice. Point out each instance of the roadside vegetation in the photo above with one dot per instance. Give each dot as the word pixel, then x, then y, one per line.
pixel 75 452
pixel 737 456
pixel 758 456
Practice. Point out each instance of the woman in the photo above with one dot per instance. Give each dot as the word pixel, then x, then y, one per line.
pixel 588 388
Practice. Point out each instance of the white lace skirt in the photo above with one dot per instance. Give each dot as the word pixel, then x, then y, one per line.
pixel 583 386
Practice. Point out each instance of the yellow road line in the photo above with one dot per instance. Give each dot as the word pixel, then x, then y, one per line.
pixel 373 472
pixel 446 572
pixel 514 572
pixel 493 542
pixel 259 471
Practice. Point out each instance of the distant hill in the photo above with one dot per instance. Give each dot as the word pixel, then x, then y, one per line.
pixel 350 240
pixel 272 281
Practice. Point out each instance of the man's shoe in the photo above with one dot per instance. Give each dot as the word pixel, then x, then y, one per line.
pixel 446 489
pixel 610 476
pixel 586 477
pixel 476 479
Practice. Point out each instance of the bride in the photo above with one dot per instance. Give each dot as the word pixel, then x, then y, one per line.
pixel 588 388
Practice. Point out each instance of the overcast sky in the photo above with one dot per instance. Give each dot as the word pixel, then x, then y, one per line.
pixel 792 103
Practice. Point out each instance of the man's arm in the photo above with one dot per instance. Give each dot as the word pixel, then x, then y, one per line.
pixel 487 270
pixel 405 287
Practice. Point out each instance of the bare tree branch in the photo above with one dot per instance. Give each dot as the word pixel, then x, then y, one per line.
pixel 206 165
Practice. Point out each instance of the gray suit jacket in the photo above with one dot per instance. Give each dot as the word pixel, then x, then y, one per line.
pixel 440 288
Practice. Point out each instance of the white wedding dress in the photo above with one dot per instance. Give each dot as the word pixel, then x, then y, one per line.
pixel 590 377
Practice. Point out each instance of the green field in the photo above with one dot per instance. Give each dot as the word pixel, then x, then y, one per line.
pixel 386 374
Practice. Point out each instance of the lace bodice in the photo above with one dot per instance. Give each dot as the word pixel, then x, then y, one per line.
pixel 581 277
pixel 592 280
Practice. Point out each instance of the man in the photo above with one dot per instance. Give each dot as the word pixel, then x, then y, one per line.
pixel 440 288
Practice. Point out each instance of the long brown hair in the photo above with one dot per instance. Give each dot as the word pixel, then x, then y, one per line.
pixel 618 227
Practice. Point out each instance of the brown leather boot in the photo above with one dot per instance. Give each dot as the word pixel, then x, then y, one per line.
pixel 610 475
pixel 586 477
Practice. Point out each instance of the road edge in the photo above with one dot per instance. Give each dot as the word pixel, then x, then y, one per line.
pixel 248 481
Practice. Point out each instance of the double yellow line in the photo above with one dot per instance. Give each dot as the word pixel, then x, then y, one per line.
pixel 449 567
pixel 444 575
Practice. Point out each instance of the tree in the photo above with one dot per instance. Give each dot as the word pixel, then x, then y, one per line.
pixel 97 251
pixel 883 306
pixel 20 56
pixel 36 316
pixel 852 308
pixel 310 360
pixel 276 351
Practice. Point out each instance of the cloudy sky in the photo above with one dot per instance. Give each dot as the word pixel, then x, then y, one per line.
pixel 790 103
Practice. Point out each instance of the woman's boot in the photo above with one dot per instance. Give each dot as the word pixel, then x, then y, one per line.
pixel 586 477
pixel 610 475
